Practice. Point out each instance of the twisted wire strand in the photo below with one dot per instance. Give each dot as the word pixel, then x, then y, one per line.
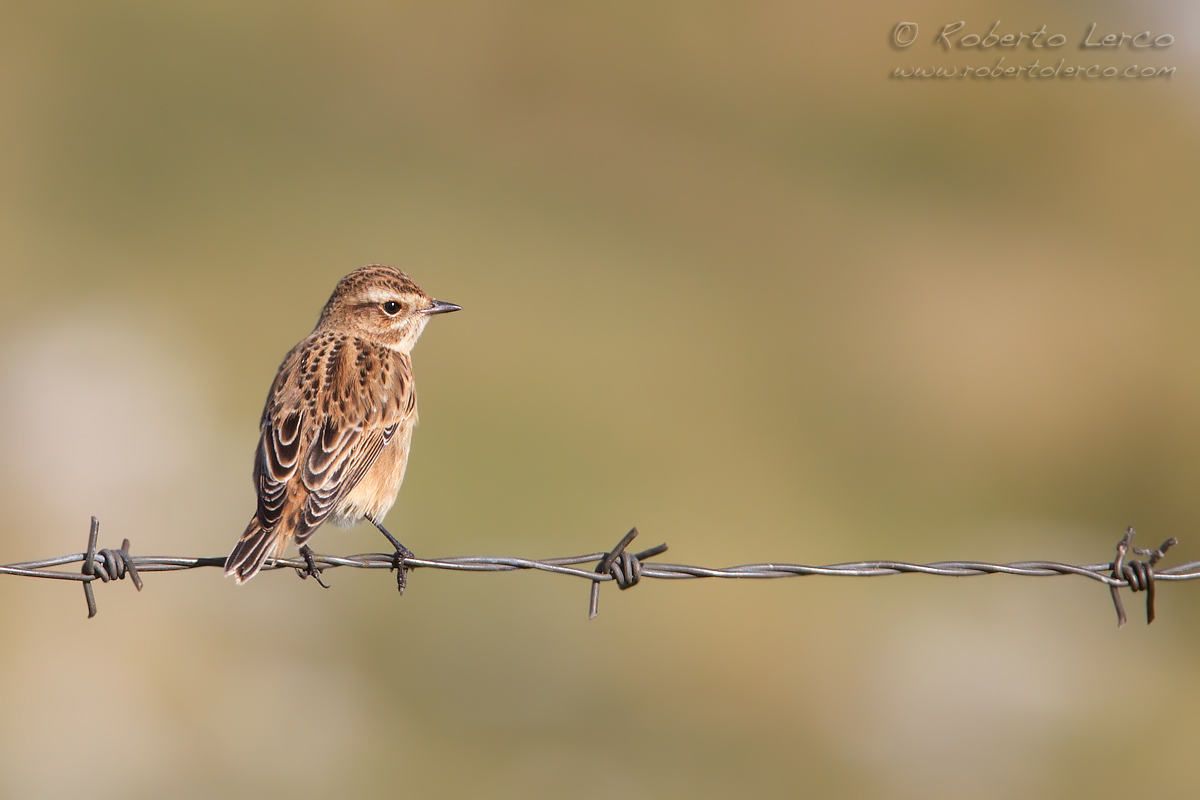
pixel 624 568
pixel 563 566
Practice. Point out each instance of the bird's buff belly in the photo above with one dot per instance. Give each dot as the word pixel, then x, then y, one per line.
pixel 376 492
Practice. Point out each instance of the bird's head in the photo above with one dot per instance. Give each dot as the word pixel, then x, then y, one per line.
pixel 383 305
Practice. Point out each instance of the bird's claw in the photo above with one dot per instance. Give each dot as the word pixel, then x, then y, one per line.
pixel 398 558
pixel 311 568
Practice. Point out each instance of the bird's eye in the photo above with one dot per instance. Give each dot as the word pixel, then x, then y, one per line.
pixel 392 308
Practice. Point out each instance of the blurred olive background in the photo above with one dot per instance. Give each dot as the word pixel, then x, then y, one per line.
pixel 723 279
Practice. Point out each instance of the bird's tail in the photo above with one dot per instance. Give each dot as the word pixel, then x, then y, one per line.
pixel 254 548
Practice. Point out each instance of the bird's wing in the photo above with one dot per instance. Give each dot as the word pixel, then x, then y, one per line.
pixel 323 428
pixel 283 438
pixel 276 465
pixel 337 460
pixel 374 396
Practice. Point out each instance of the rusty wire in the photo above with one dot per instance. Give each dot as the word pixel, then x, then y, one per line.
pixel 624 568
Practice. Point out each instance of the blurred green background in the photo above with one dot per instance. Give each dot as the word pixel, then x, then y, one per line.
pixel 723 279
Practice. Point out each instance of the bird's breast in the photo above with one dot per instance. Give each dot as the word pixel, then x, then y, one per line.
pixel 374 495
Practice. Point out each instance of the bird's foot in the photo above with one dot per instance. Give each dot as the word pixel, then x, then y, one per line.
pixel 311 569
pixel 398 557
pixel 402 570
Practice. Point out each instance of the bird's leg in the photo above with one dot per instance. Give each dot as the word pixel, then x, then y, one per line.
pixel 401 553
pixel 312 570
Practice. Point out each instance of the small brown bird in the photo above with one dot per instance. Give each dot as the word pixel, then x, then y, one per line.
pixel 339 419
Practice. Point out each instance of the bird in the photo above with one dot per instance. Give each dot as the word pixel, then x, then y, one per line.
pixel 338 421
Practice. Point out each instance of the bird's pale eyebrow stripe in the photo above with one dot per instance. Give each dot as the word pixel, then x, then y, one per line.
pixel 379 295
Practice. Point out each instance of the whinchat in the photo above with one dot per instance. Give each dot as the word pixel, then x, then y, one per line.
pixel 339 419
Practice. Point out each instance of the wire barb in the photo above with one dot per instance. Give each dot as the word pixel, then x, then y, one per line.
pixel 617 565
pixel 113 565
pixel 89 567
pixel 624 568
pixel 1138 575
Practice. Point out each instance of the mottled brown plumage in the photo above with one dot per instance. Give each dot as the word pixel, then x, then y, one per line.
pixel 338 420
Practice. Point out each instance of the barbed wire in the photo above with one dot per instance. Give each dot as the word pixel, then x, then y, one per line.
pixel 617 565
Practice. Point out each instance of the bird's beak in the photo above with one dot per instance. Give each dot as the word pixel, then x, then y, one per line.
pixel 439 307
